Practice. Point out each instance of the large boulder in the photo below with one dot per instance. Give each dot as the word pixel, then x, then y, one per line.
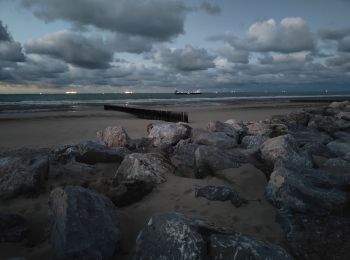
pixel 183 157
pixel 338 163
pixel 23 174
pixel 298 189
pixel 220 139
pixel 238 126
pixel 218 126
pixel 305 136
pixel 253 141
pixel 318 149
pixel 92 153
pixel 294 118
pixel 313 237
pixel 338 105
pixel 239 247
pixel 143 167
pixel 328 124
pixel 173 236
pixel 283 148
pixel 339 147
pixel 210 159
pixel 83 224
pixel 270 130
pixel 113 136
pixel 164 134
pixel 220 193
pixel 13 228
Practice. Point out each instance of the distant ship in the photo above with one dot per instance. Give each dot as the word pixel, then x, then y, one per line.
pixel 196 92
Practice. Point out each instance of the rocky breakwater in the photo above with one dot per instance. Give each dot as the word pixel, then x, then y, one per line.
pixel 300 153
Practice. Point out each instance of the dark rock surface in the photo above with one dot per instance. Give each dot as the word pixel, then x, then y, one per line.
pixel 164 134
pixel 113 136
pixel 173 236
pixel 23 174
pixel 149 167
pixel 220 193
pixel 218 126
pixel 253 141
pixel 210 159
pixel 83 224
pixel 13 228
pixel 270 130
pixel 220 139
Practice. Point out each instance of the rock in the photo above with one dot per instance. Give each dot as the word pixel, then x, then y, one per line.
pixel 83 224
pixel 92 153
pixel 113 136
pixel 218 126
pixel 270 130
pixel 13 228
pixel 165 134
pixel 283 148
pixel 339 147
pixel 149 168
pixel 338 105
pixel 173 236
pixel 210 159
pixel 318 149
pixel 123 194
pixel 71 169
pixel 141 145
pixel 344 115
pixel 316 237
pixel 328 124
pixel 298 189
pixel 220 193
pixel 294 118
pixel 184 153
pixel 305 136
pixel 346 157
pixel 253 141
pixel 203 137
pixel 238 126
pixel 23 174
pixel 240 247
pixel 63 154
pixel 338 163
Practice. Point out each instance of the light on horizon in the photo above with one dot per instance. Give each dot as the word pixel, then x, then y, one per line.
pixel 71 92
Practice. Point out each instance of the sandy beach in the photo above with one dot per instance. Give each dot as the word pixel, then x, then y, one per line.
pixel 46 129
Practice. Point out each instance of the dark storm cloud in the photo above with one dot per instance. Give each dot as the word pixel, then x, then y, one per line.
pixel 334 34
pixel 210 8
pixel 73 48
pixel 233 55
pixel 130 43
pixel 186 59
pixel 9 49
pixel 290 35
pixel 149 18
pixel 344 44
pixel 4 34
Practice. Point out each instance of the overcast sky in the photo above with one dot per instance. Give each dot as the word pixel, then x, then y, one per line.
pixel 159 45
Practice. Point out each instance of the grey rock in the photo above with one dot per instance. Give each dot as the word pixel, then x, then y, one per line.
pixel 253 141
pixel 305 190
pixel 346 157
pixel 210 159
pixel 220 139
pixel 313 237
pixel 83 224
pixel 184 153
pixel 318 149
pixel 338 105
pixel 338 163
pixel 238 126
pixel 113 136
pixel 305 136
pixel 173 236
pixel 339 147
pixel 283 148
pixel 92 153
pixel 150 168
pixel 240 247
pixel 220 193
pixel 164 134
pixel 294 118
pixel 13 228
pixel 328 124
pixel 270 130
pixel 218 126
pixel 23 174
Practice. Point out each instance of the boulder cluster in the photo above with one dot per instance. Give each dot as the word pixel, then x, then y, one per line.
pixel 305 156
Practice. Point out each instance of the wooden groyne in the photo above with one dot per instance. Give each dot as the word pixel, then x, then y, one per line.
pixel 164 115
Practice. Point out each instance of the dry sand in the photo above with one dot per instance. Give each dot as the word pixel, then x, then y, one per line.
pixel 256 219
